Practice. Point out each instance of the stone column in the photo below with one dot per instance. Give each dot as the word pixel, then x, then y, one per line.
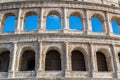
pixel 104 26
pixel 12 64
pixel 19 22
pixel 42 21
pixel 93 60
pixel 115 60
pixel 40 64
pixel 65 26
pixel 88 22
pixel 68 61
pixel 108 24
pixel 1 23
pixel 84 24
pixel 37 54
pixel 39 23
pixel 1 26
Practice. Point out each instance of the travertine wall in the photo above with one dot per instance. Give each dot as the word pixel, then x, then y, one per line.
pixel 64 41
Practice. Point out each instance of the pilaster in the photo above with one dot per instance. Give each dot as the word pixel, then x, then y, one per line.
pixel 88 22
pixel 108 24
pixel 42 21
pixel 93 64
pixel 65 26
pixel 12 64
pixel 68 60
pixel 19 22
pixel 40 64
pixel 115 60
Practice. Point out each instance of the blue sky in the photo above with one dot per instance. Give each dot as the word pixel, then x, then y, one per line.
pixel 53 23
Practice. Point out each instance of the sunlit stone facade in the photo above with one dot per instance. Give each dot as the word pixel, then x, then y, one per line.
pixel 63 54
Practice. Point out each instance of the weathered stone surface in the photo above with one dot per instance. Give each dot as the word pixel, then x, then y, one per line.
pixel 64 41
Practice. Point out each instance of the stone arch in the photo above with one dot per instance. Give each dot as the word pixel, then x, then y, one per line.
pixel 53 48
pixel 30 13
pixel 5 17
pixel 78 23
pixel 27 59
pixel 107 59
pixel 101 61
pixel 78 61
pixel 24 48
pixel 8 14
pixel 101 17
pixel 84 55
pixel 105 51
pixel 53 59
pixel 55 12
pixel 29 17
pixel 76 13
pixel 55 17
pixel 116 19
pixel 101 20
pixel 4 59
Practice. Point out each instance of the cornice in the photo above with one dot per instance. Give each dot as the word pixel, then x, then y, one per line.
pixel 60 4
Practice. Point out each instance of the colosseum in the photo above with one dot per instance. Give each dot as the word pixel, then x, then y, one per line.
pixel 63 54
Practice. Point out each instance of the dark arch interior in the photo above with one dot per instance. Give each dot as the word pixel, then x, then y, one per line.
pixel 53 61
pixel 101 62
pixel 28 61
pixel 119 57
pixel 78 61
pixel 4 61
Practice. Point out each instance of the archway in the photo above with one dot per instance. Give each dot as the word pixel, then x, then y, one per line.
pixel 53 60
pixel 101 62
pixel 27 61
pixel 4 61
pixel 78 61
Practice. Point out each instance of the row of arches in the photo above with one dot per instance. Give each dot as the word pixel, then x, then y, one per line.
pixel 53 61
pixel 53 22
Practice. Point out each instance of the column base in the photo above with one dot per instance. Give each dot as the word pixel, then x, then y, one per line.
pixel 40 31
pixel 39 74
pixel 11 74
pixel 110 34
pixel 67 74
pixel 65 30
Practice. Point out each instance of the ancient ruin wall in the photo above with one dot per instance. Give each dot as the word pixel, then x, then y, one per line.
pixel 64 40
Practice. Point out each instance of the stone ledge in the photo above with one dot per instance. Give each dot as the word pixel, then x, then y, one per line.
pixel 63 79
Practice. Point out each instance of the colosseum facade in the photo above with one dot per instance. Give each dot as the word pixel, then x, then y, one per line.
pixel 53 55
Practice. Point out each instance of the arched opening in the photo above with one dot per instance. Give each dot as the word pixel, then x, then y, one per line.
pixel 75 22
pixel 31 22
pixel 101 62
pixel 53 60
pixel 96 25
pixel 53 22
pixel 9 24
pixel 78 61
pixel 115 27
pixel 4 61
pixel 119 57
pixel 27 61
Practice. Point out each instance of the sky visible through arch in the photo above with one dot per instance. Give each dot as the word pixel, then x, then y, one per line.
pixel 53 22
